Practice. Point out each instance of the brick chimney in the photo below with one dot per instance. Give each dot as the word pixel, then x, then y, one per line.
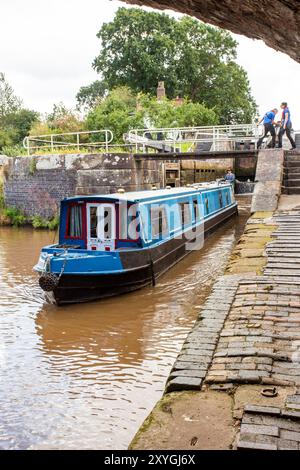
pixel 161 91
pixel 179 101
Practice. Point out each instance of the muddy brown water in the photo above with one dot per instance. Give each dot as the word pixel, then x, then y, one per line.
pixel 86 376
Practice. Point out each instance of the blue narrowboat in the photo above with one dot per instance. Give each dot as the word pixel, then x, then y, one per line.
pixel 117 243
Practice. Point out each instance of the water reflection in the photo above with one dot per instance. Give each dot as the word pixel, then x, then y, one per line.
pixel 85 376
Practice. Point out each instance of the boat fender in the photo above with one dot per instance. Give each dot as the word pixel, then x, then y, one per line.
pixel 48 281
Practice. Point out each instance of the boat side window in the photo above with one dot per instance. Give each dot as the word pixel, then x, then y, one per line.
pixel 128 222
pixel 144 212
pixel 133 222
pixel 221 199
pixel 159 222
pixel 107 229
pixel 206 204
pixel 196 210
pixel 227 198
pixel 93 222
pixel 174 222
pixel 185 213
pixel 74 222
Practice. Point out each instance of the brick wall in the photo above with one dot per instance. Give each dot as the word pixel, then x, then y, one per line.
pixel 36 185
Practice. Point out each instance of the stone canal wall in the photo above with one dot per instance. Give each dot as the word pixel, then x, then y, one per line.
pixel 269 176
pixel 36 185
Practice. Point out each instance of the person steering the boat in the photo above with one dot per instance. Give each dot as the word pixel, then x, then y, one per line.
pixel 230 176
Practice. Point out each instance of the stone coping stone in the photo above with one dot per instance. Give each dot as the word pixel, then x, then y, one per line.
pixel 184 383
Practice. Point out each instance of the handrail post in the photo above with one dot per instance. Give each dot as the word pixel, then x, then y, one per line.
pixel 78 144
pixel 136 143
pixel 26 144
pixel 51 140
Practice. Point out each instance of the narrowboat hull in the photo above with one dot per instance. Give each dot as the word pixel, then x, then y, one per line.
pixel 141 268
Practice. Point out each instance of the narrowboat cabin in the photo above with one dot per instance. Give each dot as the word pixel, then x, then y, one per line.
pixel 117 243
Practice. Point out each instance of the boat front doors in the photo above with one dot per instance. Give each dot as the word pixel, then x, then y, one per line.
pixel 101 226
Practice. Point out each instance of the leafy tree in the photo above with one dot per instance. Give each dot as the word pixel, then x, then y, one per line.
pixel 122 110
pixel 167 113
pixel 117 112
pixel 89 96
pixel 9 102
pixel 140 48
pixel 6 138
pixel 137 50
pixel 61 120
pixel 15 121
pixel 230 95
pixel 19 123
pixel 13 128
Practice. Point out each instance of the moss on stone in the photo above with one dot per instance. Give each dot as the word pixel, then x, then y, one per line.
pixel 164 405
pixel 249 254
pixel 261 215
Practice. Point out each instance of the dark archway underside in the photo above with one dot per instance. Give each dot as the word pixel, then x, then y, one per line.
pixel 277 22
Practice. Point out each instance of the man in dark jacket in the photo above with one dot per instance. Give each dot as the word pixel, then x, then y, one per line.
pixel 269 121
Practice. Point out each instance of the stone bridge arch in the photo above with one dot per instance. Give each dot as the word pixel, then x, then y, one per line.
pixel 277 23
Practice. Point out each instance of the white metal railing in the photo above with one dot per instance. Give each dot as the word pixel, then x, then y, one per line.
pixel 175 139
pixel 75 140
pixel 189 139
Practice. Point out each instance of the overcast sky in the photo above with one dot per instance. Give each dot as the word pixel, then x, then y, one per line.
pixel 47 48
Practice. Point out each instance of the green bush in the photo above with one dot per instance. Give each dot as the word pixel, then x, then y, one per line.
pixel 117 112
pixel 40 223
pixel 1 194
pixel 54 223
pixel 13 150
pixel 16 216
pixel 123 110
pixel 166 113
pixel 18 219
pixel 32 166
pixel 6 138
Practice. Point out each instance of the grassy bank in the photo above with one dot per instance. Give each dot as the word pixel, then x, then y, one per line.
pixel 12 217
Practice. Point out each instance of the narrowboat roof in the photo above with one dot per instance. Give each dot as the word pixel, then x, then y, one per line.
pixel 138 196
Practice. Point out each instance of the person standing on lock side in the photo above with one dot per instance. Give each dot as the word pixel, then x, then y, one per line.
pixel 286 126
pixel 269 122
